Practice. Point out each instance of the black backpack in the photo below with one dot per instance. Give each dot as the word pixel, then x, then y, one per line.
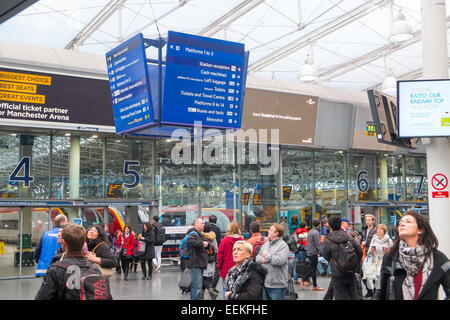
pixel 347 260
pixel 160 234
pixel 86 282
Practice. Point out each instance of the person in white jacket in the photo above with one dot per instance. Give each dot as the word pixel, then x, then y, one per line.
pixel 379 245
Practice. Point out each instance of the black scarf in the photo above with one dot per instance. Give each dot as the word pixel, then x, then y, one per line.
pixel 91 244
pixel 237 276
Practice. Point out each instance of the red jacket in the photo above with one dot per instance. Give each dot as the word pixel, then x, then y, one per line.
pixel 225 254
pixel 122 242
pixel 304 232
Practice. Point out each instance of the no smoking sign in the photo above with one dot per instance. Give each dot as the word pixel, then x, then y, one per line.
pixel 439 183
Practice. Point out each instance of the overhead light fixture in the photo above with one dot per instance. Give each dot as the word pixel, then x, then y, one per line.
pixel 309 71
pixel 67 134
pixel 400 29
pixel 389 84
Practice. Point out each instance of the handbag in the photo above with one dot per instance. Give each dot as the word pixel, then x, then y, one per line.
pixel 106 272
pixel 141 246
pixel 369 267
pixel 303 267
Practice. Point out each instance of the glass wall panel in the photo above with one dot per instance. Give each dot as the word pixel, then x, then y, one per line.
pixel 259 191
pixel 362 177
pixel 9 159
pixel 177 187
pixel 416 179
pixel 91 167
pixel 41 168
pixel 217 188
pixel 118 151
pixel 9 234
pixel 60 167
pixel 330 185
pixel 297 184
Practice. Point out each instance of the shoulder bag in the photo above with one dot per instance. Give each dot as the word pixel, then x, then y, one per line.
pixel 106 272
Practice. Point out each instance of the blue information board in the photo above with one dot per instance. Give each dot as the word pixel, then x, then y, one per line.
pixel 129 84
pixel 204 81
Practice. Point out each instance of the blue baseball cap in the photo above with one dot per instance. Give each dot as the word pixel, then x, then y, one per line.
pixel 346 220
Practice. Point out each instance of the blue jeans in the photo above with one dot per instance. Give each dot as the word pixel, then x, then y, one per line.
pixel 197 282
pixel 274 293
pixel 320 268
pixel 298 256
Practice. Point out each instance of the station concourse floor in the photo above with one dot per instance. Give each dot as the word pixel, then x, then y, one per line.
pixel 163 286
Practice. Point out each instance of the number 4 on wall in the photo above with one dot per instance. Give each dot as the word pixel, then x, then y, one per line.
pixel 26 177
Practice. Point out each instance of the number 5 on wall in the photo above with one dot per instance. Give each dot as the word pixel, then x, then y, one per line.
pixel 127 171
pixel 26 178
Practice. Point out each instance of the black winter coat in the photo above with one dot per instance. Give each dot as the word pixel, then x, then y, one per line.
pixel 198 258
pixel 440 275
pixel 54 283
pixel 331 249
pixel 213 227
pixel 103 251
pixel 252 288
pixel 149 239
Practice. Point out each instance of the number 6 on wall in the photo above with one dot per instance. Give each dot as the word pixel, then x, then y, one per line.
pixel 26 178
pixel 363 184
pixel 127 171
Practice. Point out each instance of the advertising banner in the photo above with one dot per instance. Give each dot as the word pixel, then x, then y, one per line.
pixel 36 99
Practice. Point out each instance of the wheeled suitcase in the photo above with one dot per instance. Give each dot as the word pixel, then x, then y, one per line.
pixel 290 291
pixel 185 281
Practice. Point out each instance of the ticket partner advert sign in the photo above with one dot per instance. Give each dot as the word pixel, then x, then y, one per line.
pixel 424 108
pixel 294 115
pixel 36 99
pixel 129 85
pixel 204 81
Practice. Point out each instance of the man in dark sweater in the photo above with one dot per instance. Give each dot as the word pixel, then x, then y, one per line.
pixel 313 250
pixel 344 284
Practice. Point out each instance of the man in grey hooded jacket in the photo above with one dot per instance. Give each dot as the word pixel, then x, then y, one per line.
pixel 274 256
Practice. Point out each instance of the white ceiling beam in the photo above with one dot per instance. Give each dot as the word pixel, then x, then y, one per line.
pixel 412 75
pixel 180 4
pixel 315 35
pixel 369 57
pixel 229 17
pixel 95 23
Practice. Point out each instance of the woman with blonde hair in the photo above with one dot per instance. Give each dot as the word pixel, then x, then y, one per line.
pixel 245 280
pixel 225 253
pixel 379 245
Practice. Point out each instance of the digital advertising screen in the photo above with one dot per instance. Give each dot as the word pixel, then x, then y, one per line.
pixel 48 100
pixel 423 108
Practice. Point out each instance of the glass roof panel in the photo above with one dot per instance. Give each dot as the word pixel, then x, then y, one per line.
pixel 265 27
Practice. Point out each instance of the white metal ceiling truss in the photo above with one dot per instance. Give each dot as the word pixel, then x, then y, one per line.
pixel 414 74
pixel 317 34
pixel 95 23
pixel 229 17
pixel 371 56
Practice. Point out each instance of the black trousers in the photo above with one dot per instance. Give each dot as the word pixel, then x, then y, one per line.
pixel 345 287
pixel 126 265
pixel 215 278
pixel 313 272
pixel 144 262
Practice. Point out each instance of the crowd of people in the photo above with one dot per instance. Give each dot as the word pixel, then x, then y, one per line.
pixel 408 267
pixel 67 254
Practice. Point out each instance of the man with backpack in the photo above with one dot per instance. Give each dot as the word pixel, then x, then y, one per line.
pixel 74 277
pixel 344 253
pixel 160 237
pixel 197 262
pixel 256 239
